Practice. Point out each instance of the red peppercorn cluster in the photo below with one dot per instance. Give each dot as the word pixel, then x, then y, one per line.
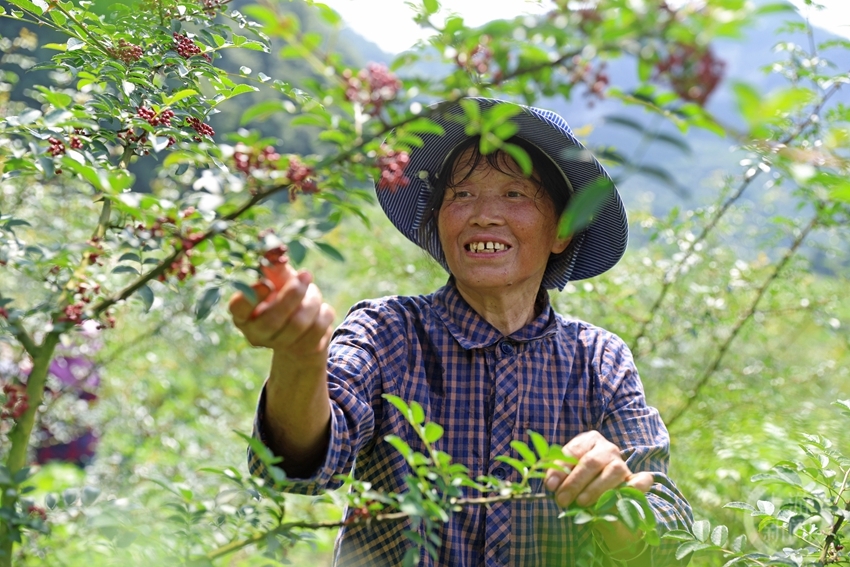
pixel 181 267
pixel 186 47
pixel 200 128
pixel 127 52
pixel 693 72
pixel 17 401
pixel 3 313
pixel 57 147
pixel 93 256
pixel 248 159
pixel 392 164
pixel 210 6
pixel 596 80
pixel 371 87
pixel 478 60
pixel 154 119
pixel 300 178
pixel 37 511
pixel 191 239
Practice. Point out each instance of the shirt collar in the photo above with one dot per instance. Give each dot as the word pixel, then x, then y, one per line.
pixel 471 330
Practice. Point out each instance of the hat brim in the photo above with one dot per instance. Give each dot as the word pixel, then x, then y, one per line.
pixel 594 251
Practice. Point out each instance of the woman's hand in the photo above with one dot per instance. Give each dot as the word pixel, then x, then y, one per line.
pixel 289 318
pixel 600 467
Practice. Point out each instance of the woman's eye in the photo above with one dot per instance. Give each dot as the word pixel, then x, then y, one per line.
pixel 515 194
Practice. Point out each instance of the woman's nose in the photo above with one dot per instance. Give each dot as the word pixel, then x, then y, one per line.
pixel 487 211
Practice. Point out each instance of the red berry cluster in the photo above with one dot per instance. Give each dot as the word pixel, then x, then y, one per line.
pixel 57 147
pixel 181 267
pixel 76 143
pixel 596 80
pixel 190 240
pixel 154 119
pixel 693 72
pixel 300 177
pixel 372 87
pixel 210 6
pixel 3 313
pixel 477 60
pixel 37 511
pixel 186 47
pixel 200 128
pixel 93 256
pixel 392 164
pixel 127 52
pixel 17 401
pixel 248 159
pixel 83 295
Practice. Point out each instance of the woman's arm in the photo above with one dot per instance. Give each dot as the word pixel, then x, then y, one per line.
pixel 293 321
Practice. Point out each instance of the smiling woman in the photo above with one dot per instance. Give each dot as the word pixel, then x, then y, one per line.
pixel 485 356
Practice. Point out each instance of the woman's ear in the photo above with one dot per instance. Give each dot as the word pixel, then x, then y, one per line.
pixel 561 244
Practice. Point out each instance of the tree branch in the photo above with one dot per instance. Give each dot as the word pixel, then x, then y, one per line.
pixel 721 353
pixel 360 520
pixel 749 176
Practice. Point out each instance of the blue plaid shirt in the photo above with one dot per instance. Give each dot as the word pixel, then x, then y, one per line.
pixel 555 376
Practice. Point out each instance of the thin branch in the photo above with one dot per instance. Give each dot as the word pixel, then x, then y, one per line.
pixel 749 176
pixel 85 30
pixel 830 538
pixel 724 348
pixel 23 337
pixel 358 520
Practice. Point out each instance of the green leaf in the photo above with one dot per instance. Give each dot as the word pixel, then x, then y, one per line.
pixel 262 110
pixel 178 96
pixel 400 445
pixel 433 432
pixel 740 506
pixel 719 536
pixel 680 535
pixel 37 7
pixel 540 444
pixel 246 290
pixel 584 205
pixel 417 414
pixel 330 251
pixel 89 495
pixel 424 126
pixel 775 7
pixel 690 547
pixel 630 513
pixel 209 298
pixel 524 451
pixel 702 530
pixel 399 404
pixel 125 270
pixel 520 156
pixel 515 463
pixel 431 6
pixel 146 295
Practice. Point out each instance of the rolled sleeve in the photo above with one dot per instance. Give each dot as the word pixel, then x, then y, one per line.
pixel 354 385
pixel 638 430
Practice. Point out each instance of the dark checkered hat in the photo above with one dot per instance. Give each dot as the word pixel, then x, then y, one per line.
pixel 593 251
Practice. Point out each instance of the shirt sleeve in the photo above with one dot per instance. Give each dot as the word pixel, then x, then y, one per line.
pixel 628 422
pixel 354 390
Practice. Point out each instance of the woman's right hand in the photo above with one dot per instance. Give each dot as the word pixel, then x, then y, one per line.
pixel 290 317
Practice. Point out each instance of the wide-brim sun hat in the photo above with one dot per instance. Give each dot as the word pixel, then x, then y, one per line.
pixel 592 251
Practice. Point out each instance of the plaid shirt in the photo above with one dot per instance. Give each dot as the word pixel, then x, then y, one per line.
pixel 555 376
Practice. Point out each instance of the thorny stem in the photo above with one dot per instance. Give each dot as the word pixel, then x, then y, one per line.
pixel 357 520
pixel 721 352
pixel 92 37
pixel 830 538
pixel 752 173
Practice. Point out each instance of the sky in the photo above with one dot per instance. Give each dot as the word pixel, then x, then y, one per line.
pixel 388 23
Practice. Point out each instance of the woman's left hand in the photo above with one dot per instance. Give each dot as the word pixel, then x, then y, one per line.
pixel 600 467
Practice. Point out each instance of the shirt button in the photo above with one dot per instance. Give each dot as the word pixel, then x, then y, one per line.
pixel 507 348
pixel 500 472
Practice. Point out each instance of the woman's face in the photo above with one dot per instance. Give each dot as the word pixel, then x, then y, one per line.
pixel 497 229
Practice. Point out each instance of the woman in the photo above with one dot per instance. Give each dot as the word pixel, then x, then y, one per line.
pixel 486 356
